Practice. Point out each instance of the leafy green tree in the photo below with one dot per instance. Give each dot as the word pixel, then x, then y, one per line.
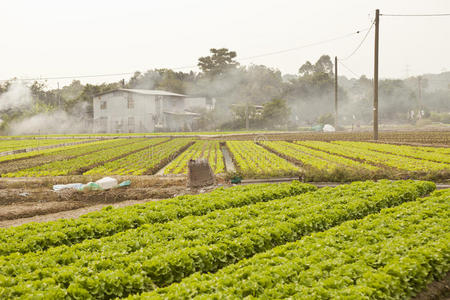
pixel 327 118
pixel 261 84
pixel 276 113
pixel 172 81
pixel 306 69
pixel 324 65
pixel 220 61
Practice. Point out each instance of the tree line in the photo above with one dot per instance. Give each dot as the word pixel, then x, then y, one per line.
pixel 257 96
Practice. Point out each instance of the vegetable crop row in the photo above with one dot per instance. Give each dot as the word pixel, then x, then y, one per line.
pixel 315 158
pixel 143 162
pixel 399 162
pixel 39 236
pixel 408 151
pixel 254 160
pixel 209 150
pixel 32 143
pixel 390 255
pixel 59 151
pixel 70 166
pixel 158 255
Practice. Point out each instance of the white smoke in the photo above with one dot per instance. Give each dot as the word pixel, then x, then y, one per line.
pixel 57 122
pixel 17 95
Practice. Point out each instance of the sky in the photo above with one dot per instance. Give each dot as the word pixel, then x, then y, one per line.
pixel 71 38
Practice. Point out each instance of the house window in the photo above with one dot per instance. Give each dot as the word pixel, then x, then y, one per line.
pixel 130 101
pixel 103 105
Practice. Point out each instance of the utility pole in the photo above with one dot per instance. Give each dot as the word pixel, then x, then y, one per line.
pixel 419 81
pixel 335 93
pixel 375 78
pixel 247 123
pixel 59 97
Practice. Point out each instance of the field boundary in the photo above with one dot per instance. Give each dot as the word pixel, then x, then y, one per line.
pixel 12 152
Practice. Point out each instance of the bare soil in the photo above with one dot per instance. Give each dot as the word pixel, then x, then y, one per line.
pixel 67 214
pixel 24 200
pixel 437 290
pixel 27 203
pixel 30 197
pixel 440 138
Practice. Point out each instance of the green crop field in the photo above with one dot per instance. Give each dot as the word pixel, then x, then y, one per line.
pixel 364 240
pixel 318 159
pixel 382 234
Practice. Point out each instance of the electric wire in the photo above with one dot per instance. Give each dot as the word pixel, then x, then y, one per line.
pixel 194 66
pixel 360 44
pixel 348 69
pixel 419 15
pixel 304 46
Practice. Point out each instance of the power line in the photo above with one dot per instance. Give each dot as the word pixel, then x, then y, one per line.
pixel 360 44
pixel 348 69
pixel 305 46
pixel 420 15
pixel 193 66
pixel 88 76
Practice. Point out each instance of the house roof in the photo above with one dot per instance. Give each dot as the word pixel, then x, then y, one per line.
pixel 143 92
pixel 185 113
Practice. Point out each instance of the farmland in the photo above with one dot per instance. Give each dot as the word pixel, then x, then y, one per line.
pixel 321 158
pixel 212 244
pixel 209 150
pixel 381 234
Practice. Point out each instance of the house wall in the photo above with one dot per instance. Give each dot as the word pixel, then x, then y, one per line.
pixel 195 103
pixel 173 104
pixel 118 117
pixel 112 113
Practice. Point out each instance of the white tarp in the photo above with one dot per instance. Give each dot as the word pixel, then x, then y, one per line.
pixel 328 128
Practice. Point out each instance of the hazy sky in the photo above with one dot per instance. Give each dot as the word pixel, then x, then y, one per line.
pixel 68 38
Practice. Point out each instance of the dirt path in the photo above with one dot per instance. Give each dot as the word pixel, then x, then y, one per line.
pixel 24 200
pixel 437 290
pixel 229 165
pixel 74 213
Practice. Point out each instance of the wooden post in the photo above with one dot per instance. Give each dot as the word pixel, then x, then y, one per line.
pixel 247 121
pixel 375 78
pixel 419 82
pixel 335 93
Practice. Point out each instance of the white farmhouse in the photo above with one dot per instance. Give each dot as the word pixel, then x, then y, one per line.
pixel 135 110
pixel 199 103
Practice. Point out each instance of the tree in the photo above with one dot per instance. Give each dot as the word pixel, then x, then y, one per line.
pixel 147 81
pixel 327 118
pixel 306 69
pixel 173 81
pixel 261 84
pixel 276 113
pixel 324 65
pixel 218 62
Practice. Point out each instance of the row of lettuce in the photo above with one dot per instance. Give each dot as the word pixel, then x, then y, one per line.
pixel 167 244
pixel 390 255
pixel 208 150
pixel 40 236
pixel 314 160
pixel 11 145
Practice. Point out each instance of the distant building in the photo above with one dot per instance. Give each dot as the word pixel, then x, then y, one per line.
pixel 253 110
pixel 135 110
pixel 199 103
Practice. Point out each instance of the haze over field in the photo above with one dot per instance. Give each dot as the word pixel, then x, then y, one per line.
pixel 267 64
pixel 70 38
